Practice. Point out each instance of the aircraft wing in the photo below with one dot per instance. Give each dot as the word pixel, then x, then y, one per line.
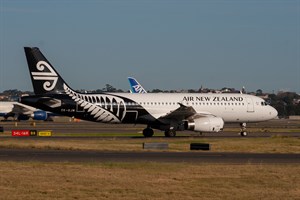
pixel 182 113
pixel 22 109
pixel 179 114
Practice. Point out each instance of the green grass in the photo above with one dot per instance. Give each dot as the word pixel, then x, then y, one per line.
pixel 276 144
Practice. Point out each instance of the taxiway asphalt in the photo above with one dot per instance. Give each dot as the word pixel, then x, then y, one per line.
pixel 63 129
pixel 81 128
pixel 32 155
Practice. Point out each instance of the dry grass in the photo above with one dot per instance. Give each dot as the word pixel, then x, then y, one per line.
pixel 144 180
pixel 147 181
pixel 254 145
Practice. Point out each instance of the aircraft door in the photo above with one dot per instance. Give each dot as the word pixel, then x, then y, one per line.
pixel 250 105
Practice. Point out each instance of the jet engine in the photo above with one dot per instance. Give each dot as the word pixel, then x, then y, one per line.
pixel 205 124
pixel 39 115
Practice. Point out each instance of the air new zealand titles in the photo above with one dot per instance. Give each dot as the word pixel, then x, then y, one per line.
pixel 213 98
pixel 166 112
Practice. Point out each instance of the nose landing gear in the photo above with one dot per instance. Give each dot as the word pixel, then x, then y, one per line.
pixel 243 132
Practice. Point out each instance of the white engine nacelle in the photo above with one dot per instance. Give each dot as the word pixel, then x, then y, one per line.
pixel 205 124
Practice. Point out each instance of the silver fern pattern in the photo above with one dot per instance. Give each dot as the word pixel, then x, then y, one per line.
pixel 104 108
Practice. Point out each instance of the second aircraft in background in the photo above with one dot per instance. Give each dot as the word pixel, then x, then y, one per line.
pixel 19 111
pixel 135 86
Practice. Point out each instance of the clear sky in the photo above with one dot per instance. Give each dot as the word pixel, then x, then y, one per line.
pixel 164 44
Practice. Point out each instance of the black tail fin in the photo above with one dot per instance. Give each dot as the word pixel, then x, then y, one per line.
pixel 45 79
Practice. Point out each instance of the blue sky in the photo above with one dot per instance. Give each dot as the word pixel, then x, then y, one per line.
pixel 164 44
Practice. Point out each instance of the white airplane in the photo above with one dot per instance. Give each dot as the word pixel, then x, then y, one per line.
pixel 135 86
pixel 168 112
pixel 20 111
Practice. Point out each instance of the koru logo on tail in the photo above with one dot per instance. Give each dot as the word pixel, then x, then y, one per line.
pixel 45 76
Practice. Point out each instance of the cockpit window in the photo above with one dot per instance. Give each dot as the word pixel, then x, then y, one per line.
pixel 263 103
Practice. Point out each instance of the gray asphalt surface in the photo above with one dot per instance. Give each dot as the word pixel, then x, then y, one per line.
pixel 60 128
pixel 22 155
pixel 73 128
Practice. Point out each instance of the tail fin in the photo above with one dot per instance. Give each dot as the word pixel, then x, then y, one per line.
pixel 135 86
pixel 45 79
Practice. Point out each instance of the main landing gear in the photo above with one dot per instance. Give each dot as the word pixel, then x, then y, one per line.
pixel 243 132
pixel 170 133
pixel 148 132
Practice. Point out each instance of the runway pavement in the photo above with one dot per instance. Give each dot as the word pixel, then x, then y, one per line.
pixel 77 130
pixel 176 157
pixel 73 129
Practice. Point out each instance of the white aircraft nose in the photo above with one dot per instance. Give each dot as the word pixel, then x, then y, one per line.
pixel 273 112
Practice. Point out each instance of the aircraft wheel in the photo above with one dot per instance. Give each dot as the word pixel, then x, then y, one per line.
pixel 170 133
pixel 148 132
pixel 243 133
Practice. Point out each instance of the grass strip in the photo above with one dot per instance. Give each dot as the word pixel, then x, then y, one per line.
pixel 147 180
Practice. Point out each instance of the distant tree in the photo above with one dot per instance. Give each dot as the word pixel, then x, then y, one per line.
pixel 192 91
pixel 98 91
pixel 259 92
pixel 120 91
pixel 156 91
pixel 13 92
pixel 290 96
pixel 284 103
pixel 297 109
pixel 109 88
pixel 273 98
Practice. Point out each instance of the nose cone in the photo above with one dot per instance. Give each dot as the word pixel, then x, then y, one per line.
pixel 273 113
